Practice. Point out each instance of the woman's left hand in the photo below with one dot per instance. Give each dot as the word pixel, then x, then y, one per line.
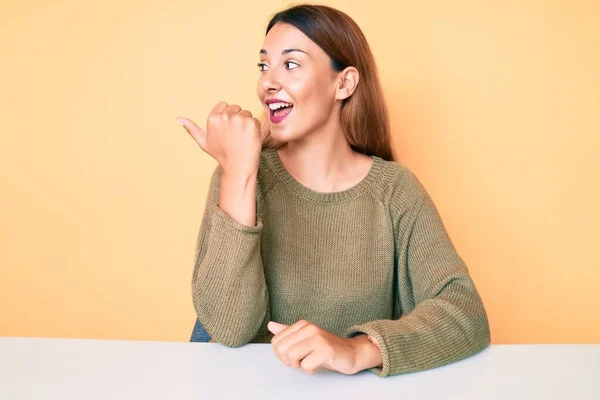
pixel 305 345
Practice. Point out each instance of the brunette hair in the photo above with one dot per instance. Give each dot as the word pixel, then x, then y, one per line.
pixel 364 115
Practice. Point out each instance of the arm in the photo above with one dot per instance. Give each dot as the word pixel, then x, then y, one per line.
pixel 228 286
pixel 237 197
pixel 446 320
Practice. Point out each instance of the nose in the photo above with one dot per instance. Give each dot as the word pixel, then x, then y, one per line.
pixel 270 82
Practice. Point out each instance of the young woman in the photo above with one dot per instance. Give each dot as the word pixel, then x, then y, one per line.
pixel 313 238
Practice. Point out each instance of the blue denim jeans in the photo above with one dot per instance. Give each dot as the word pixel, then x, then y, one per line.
pixel 199 334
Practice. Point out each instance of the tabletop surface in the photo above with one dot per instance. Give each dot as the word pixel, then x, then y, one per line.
pixel 42 368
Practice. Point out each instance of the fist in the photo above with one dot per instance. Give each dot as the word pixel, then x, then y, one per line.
pixel 232 137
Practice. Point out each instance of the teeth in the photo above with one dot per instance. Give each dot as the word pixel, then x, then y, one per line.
pixel 275 106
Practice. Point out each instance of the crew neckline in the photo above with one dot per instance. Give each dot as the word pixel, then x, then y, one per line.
pixel 307 193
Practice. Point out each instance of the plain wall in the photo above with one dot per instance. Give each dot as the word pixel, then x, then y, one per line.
pixel 495 107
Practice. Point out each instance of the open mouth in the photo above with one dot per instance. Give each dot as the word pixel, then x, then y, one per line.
pixel 278 111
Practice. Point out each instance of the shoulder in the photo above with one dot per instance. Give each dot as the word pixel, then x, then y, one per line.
pixel 267 172
pixel 398 187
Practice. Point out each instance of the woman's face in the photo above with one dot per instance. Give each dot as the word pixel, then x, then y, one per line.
pixel 297 72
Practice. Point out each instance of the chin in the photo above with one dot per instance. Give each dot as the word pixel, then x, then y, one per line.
pixel 284 135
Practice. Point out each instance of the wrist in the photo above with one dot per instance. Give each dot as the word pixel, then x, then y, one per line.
pixel 368 353
pixel 238 176
pixel 238 185
pixel 237 197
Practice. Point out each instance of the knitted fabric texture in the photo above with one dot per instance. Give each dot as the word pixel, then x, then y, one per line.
pixel 373 259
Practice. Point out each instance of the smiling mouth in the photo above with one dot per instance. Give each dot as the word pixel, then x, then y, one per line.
pixel 279 109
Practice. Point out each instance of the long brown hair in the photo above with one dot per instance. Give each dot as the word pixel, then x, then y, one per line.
pixel 364 115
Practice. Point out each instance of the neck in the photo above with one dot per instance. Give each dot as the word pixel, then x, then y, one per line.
pixel 322 161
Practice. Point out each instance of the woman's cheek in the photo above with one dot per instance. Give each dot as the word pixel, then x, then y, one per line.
pixel 296 89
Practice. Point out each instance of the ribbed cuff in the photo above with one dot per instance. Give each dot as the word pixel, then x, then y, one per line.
pixel 223 219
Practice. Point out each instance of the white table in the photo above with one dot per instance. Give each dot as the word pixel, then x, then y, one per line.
pixel 33 368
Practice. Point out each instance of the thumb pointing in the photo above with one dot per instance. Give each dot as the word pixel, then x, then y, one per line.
pixel 197 134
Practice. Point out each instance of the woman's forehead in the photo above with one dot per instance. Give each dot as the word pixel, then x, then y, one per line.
pixel 285 36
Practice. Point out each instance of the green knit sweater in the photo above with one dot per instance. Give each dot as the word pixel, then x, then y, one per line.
pixel 373 259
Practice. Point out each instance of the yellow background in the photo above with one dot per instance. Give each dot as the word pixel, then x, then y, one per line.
pixel 495 106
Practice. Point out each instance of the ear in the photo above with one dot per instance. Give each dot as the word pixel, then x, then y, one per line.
pixel 347 80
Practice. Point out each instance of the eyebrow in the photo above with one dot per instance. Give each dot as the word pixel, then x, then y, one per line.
pixel 285 51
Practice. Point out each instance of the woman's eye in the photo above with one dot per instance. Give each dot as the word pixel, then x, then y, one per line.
pixel 289 66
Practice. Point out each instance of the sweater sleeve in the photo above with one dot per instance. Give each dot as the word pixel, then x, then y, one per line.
pixel 444 318
pixel 228 284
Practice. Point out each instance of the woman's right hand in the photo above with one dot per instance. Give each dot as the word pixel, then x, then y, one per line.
pixel 232 137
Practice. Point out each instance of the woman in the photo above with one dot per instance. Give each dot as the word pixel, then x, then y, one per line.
pixel 313 238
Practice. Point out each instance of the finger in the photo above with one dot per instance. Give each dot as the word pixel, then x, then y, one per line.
pixel 276 327
pixel 296 346
pixel 300 350
pixel 265 126
pixel 284 345
pixel 219 107
pixel 289 330
pixel 245 113
pixel 198 134
pixel 232 109
pixel 317 358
